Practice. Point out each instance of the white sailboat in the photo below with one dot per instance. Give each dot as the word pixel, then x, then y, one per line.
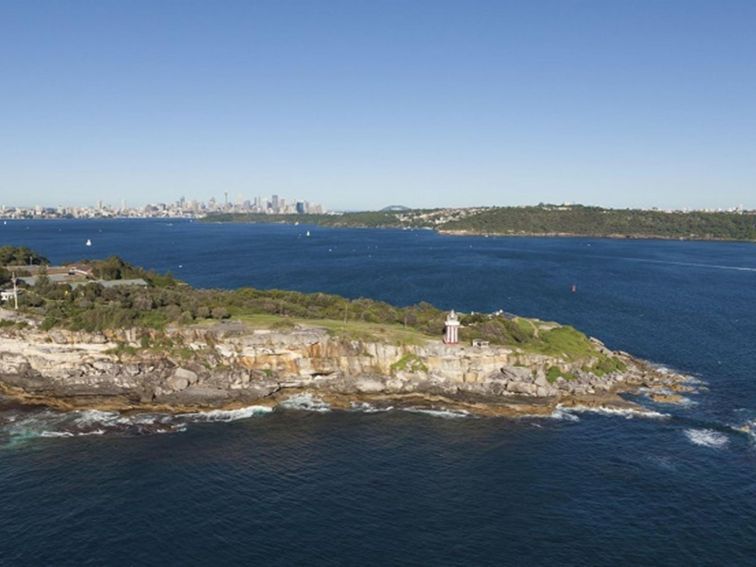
pixel 88 242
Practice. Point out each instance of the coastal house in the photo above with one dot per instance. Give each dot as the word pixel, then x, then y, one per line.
pixel 72 274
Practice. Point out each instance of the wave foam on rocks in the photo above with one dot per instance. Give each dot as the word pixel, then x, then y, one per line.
pixel 442 412
pixel 627 413
pixel 226 415
pixel 306 402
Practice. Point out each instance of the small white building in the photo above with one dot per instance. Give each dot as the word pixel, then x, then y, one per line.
pixel 451 332
pixel 7 295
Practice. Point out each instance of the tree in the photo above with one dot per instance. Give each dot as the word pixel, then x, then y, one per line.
pixel 20 256
pixel 42 283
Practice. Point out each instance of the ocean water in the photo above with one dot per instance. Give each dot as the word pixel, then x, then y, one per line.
pixel 305 485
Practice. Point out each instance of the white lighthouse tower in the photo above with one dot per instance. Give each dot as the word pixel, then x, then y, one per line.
pixel 451 333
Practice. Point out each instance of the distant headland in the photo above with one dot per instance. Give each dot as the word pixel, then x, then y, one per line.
pixel 105 334
pixel 541 220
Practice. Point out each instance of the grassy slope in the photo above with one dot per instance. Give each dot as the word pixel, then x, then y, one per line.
pixel 391 333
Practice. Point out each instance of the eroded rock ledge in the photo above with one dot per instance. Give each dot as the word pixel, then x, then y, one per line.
pixel 231 365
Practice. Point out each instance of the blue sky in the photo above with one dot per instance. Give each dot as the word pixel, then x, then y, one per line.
pixel 360 104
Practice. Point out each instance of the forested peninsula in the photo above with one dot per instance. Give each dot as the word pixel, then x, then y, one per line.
pixel 541 220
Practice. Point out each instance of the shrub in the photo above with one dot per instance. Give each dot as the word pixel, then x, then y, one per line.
pixel 220 313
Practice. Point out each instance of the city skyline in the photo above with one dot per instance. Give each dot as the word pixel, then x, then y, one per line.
pixel 360 105
pixel 181 207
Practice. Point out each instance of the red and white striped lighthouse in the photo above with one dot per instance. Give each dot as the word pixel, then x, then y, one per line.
pixel 451 332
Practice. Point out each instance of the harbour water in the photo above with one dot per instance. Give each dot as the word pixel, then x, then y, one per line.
pixel 305 485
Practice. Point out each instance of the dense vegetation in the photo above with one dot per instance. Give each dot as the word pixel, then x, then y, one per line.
pixel 114 268
pixel 596 221
pixel 17 256
pixel 20 256
pixel 537 220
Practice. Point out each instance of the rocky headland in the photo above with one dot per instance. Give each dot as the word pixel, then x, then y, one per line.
pixel 229 364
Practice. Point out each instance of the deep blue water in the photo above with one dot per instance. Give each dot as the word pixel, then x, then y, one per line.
pixel 346 488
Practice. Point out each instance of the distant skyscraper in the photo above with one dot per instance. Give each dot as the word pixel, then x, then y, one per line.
pixel 274 203
pixel 301 208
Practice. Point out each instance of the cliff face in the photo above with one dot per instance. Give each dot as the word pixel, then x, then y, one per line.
pixel 230 364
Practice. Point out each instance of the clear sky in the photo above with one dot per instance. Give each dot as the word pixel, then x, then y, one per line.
pixel 361 104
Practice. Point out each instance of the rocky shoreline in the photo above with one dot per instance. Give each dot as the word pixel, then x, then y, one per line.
pixel 232 365
pixel 610 236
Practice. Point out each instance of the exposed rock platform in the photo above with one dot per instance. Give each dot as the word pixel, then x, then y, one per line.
pixel 231 365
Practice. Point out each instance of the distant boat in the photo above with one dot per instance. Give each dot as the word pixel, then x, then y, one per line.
pixel 574 288
pixel 308 234
pixel 88 242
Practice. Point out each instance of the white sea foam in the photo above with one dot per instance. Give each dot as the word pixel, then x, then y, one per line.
pixel 306 402
pixel 82 423
pixel 444 413
pixel 143 419
pixel 627 413
pixel 227 415
pixel 563 414
pixel 56 434
pixel 93 417
pixel 365 407
pixel 707 438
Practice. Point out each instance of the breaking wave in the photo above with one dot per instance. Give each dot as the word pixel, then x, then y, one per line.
pixel 19 428
pixel 226 415
pixel 365 407
pixel 444 413
pixel 563 414
pixel 707 438
pixel 627 413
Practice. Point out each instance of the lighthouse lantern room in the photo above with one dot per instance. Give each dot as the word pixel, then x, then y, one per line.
pixel 451 333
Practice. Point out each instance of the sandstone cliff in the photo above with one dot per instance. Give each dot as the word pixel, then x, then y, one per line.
pixel 230 364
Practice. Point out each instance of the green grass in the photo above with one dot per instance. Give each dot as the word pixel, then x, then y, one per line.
pixel 563 341
pixel 409 363
pixel 352 330
pixel 527 326
pixel 606 365
pixel 555 372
